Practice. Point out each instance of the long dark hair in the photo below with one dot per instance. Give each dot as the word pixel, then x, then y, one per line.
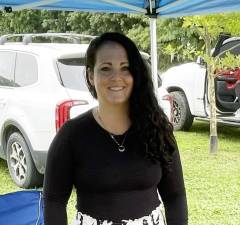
pixel 148 119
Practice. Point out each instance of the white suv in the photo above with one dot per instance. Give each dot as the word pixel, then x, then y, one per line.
pixel 41 86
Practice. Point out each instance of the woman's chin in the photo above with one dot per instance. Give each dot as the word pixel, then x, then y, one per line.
pixel 118 101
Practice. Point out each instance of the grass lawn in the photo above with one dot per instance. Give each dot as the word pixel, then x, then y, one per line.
pixel 212 181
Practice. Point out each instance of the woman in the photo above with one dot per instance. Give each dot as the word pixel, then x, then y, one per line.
pixel 120 154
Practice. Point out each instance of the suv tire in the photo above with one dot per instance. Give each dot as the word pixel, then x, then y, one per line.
pixel 20 163
pixel 182 117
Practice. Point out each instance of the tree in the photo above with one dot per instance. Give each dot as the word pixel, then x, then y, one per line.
pixel 209 28
pixel 140 33
pixel 79 22
pixel 97 23
pixel 55 21
pixel 26 21
pixel 181 44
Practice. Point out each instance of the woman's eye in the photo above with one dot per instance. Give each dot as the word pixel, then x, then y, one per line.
pixel 125 68
pixel 105 68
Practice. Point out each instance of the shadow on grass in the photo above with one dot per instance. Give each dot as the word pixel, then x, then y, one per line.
pixel 3 164
pixel 224 131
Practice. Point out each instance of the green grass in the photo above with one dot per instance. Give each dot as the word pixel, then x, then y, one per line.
pixel 212 181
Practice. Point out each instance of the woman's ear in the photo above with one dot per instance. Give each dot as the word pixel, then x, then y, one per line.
pixel 90 76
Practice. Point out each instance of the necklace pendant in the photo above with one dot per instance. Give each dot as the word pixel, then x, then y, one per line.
pixel 121 148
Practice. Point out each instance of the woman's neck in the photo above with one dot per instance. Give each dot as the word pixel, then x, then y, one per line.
pixel 113 119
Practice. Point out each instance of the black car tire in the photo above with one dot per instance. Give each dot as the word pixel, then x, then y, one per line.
pixel 182 117
pixel 20 164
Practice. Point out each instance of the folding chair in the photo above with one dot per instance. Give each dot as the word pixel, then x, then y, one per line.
pixel 21 208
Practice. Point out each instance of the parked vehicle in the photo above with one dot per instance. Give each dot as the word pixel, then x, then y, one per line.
pixel 188 85
pixel 42 85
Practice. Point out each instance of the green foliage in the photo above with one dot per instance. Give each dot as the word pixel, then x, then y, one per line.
pixel 230 22
pixel 26 21
pixel 209 59
pixel 97 23
pixel 199 24
pixel 179 42
pixel 79 22
pixel 141 36
pixel 55 21
pixel 208 27
pixel 229 61
pixel 215 23
pixel 102 22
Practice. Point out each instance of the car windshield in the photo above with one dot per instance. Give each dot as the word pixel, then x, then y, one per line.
pixel 72 71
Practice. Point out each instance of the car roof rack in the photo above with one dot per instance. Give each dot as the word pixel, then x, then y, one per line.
pixel 27 38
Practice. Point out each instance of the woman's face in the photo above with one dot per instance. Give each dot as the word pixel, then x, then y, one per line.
pixel 111 77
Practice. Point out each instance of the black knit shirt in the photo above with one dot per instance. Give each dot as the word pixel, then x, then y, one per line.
pixel 110 184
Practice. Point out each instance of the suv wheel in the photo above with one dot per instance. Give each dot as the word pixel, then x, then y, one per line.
pixel 20 163
pixel 182 117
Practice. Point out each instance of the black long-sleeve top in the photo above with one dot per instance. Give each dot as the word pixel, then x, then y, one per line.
pixel 110 184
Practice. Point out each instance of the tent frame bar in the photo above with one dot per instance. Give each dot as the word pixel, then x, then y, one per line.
pixel 154 61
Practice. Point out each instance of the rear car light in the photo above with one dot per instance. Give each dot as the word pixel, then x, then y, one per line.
pixel 170 99
pixel 62 113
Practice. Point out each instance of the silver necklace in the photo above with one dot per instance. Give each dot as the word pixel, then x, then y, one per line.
pixel 121 147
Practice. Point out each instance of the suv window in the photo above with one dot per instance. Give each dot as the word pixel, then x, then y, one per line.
pixel 26 70
pixel 72 72
pixel 234 51
pixel 7 63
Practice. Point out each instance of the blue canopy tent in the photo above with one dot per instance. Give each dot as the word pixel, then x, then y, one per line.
pixel 169 8
pixel 151 8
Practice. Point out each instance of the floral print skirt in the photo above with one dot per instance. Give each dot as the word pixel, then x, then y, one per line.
pixel 155 218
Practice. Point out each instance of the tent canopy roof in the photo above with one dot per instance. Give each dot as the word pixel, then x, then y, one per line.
pixel 165 8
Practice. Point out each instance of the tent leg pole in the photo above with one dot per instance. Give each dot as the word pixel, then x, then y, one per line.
pixel 153 35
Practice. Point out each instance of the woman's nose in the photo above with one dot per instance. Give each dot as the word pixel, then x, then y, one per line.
pixel 116 75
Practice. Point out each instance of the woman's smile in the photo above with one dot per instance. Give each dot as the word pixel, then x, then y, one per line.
pixel 116 88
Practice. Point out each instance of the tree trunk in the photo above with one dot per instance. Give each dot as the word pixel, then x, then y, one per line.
pixel 211 93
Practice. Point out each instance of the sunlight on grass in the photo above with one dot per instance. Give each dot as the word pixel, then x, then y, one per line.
pixel 212 181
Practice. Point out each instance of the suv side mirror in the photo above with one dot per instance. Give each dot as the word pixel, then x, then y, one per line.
pixel 200 60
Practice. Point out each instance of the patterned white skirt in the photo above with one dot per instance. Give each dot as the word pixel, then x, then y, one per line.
pixel 157 217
